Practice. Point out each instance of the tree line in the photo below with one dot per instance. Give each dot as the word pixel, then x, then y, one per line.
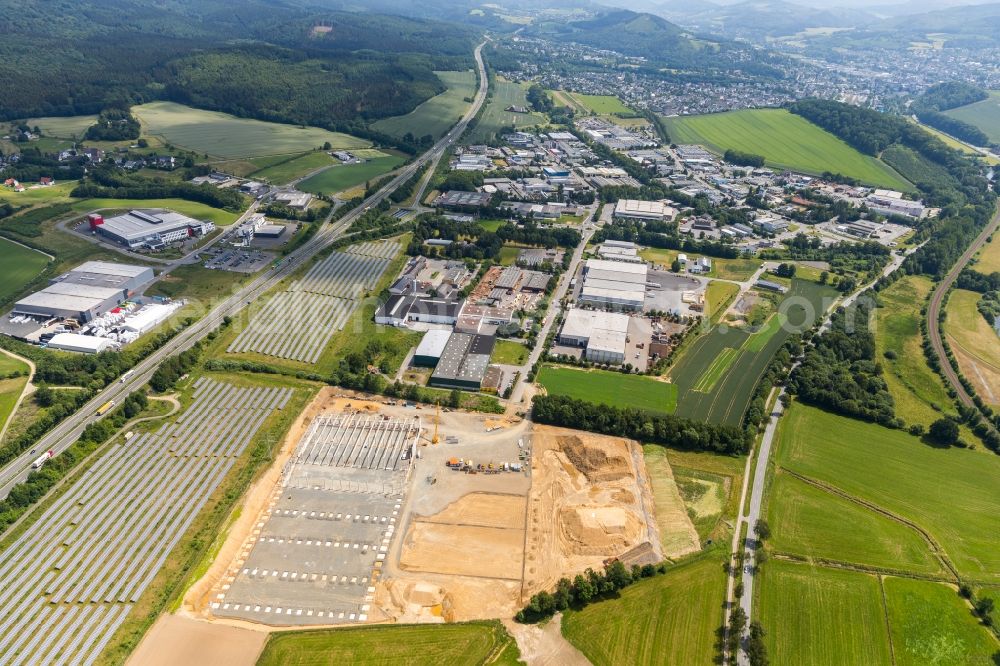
pixel 108 181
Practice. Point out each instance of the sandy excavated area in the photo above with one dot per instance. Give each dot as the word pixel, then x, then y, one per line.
pixel 590 500
pixel 175 640
pixel 257 500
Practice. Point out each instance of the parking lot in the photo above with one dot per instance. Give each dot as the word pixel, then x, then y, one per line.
pixel 236 259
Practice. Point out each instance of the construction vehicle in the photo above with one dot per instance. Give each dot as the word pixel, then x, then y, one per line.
pixel 437 422
pixel 105 408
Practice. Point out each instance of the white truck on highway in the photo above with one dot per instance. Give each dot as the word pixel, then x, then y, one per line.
pixel 40 460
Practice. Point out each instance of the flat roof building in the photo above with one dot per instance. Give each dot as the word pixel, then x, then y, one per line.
pixel 150 228
pixel 614 284
pixel 400 310
pixel 431 348
pixel 460 199
pixel 464 361
pixel 603 335
pixel 636 209
pixel 85 292
pixel 83 344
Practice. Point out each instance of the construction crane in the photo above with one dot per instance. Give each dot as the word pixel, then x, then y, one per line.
pixel 437 422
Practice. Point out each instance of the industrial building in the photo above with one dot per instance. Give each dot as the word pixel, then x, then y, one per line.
pixel 464 361
pixel 294 200
pixel 431 348
pixel 603 335
pixel 84 344
pixel 620 251
pixel 890 202
pixel 462 200
pixel 614 284
pixel 634 209
pixel 152 229
pixel 85 292
pixel 401 310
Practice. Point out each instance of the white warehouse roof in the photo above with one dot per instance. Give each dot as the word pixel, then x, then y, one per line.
pixel 79 343
pixel 582 324
pixel 650 210
pixel 110 268
pixel 433 343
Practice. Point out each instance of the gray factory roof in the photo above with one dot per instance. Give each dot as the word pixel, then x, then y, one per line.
pixel 508 278
pixel 81 290
pixel 110 268
pixel 52 301
pixel 138 224
pixel 465 358
pixel 106 274
pixel 584 323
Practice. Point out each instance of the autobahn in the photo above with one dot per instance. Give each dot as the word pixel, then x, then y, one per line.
pixel 63 435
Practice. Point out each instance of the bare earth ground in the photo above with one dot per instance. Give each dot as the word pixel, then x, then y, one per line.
pixel 181 641
pixel 544 645
pixel 590 500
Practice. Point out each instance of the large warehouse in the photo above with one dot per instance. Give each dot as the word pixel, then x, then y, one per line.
pixel 85 292
pixel 614 284
pixel 464 361
pixel 152 229
pixel 635 209
pixel 431 348
pixel 603 335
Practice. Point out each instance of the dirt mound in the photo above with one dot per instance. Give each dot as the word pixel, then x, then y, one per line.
pixel 593 462
pixel 599 530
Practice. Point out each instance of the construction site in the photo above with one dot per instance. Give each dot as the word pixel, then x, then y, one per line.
pixel 381 511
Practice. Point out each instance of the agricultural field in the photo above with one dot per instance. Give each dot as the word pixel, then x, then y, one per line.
pixel 930 624
pixel 509 353
pixel 20 266
pixel 469 643
pixel 667 619
pixel 340 178
pixel 505 93
pixel 718 295
pixel 988 259
pixel 985 115
pixel 609 388
pixel 815 615
pixel 787 141
pixel 950 493
pixel 63 127
pixel 704 492
pixel 193 209
pixel 10 387
pixel 439 113
pixel 812 522
pixel 716 385
pixel 914 387
pixel 286 171
pixel 975 343
pixel 602 105
pixel 224 136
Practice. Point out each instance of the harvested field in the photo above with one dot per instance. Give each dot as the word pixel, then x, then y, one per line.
pixel 590 499
pixel 176 639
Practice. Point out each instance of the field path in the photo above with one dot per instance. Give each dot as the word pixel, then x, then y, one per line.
pixel 27 390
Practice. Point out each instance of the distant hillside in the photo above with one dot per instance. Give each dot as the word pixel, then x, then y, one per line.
pixel 757 19
pixel 274 59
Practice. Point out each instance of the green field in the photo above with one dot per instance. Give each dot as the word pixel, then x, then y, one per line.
pixel 471 643
pixel 970 329
pixel 729 393
pixel 737 270
pixel 667 619
pixel 823 616
pixel 988 260
pixel 985 115
pixel 930 624
pixel 10 388
pixel 787 141
pixel 494 118
pixel 39 195
pixel 193 209
pixel 65 127
pixel 509 353
pixel 913 385
pixel 439 113
pixel 812 522
pixel 508 255
pixel 340 178
pixel 718 296
pixel 602 105
pixel 609 388
pixel 20 266
pixel 288 170
pixel 226 136
pixel 950 493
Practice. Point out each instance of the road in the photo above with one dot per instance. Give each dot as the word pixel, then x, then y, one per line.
pixel 937 300
pixel 763 455
pixel 63 435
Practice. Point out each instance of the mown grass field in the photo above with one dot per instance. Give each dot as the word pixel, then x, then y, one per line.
pixel 988 260
pixel 20 266
pixel 193 209
pixel 439 113
pixel 471 643
pixel 10 388
pixel 509 353
pixel 285 171
pixel 815 523
pixel 737 270
pixel 609 388
pixel 930 624
pixel 667 619
pixel 39 195
pixel 970 329
pixel 226 136
pixel 63 127
pixel 729 395
pixel 602 105
pixel 787 141
pixel 985 115
pixel 718 296
pixel 814 615
pixel 950 493
pixel 913 385
pixel 505 93
pixel 340 178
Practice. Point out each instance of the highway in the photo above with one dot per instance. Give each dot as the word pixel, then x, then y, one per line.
pixel 937 300
pixel 63 435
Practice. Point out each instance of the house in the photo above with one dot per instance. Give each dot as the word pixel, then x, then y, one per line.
pixel 46 181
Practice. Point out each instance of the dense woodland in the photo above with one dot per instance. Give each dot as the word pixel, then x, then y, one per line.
pixel 114 125
pixel 112 182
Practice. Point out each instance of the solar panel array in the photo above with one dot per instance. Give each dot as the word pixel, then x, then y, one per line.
pixel 69 581
pixel 298 323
